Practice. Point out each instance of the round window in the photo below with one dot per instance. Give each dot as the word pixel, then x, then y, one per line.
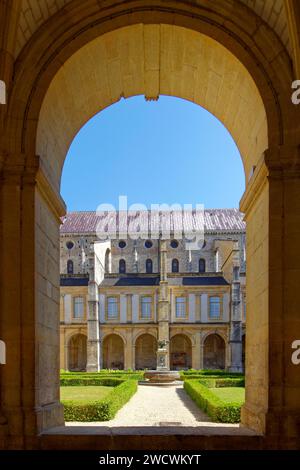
pixel 174 243
pixel 69 245
pixel 148 244
pixel 122 244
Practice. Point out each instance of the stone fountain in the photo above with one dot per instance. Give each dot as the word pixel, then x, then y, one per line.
pixel 162 374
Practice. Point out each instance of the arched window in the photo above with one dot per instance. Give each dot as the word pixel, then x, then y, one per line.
pixel 149 266
pixel 70 266
pixel 108 261
pixel 201 265
pixel 122 266
pixel 175 265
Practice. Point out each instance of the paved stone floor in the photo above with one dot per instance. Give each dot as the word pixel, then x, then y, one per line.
pixel 158 409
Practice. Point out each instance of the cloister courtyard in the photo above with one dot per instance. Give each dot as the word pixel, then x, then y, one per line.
pixel 62 62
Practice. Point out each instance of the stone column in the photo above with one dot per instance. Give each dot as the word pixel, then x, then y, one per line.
pixel 93 341
pixel 272 206
pixel 201 363
pixel 97 253
pixel 235 334
pixel 196 351
pixel 164 304
pixel 128 353
pixel 29 308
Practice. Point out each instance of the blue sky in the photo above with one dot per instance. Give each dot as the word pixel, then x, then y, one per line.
pixel 165 151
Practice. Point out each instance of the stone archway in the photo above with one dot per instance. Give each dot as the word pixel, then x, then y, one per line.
pixel 260 116
pixel 113 352
pixel 145 352
pixel 77 353
pixel 180 352
pixel 214 352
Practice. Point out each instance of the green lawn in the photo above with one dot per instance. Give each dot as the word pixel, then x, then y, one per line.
pixel 230 394
pixel 90 393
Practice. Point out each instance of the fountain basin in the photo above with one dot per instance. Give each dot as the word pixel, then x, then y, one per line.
pixel 162 376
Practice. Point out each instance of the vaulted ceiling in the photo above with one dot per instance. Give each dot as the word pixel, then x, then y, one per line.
pixel 272 12
pixel 36 12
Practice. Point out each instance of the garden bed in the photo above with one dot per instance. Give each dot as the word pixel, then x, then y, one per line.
pixel 222 404
pixel 92 406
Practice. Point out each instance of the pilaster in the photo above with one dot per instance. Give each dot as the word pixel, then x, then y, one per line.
pixel 29 312
pixel 272 207
pixel 164 302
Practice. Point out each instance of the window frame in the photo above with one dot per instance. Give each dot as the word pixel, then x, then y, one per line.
pixel 146 269
pixel 220 297
pixel 173 260
pixel 174 244
pixel 186 316
pixel 143 296
pixel 81 318
pixel 117 298
pixel 202 261
pixel 70 262
pixel 122 260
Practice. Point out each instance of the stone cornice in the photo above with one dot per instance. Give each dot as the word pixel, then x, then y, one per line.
pixel 254 188
pixel 282 162
pixel 53 200
pixel 27 172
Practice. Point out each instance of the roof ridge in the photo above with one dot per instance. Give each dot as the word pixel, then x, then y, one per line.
pixel 149 210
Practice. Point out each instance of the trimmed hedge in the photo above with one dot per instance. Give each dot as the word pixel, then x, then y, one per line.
pixel 230 382
pixel 236 381
pixel 210 372
pixel 78 381
pixel 102 375
pixel 101 410
pixel 217 409
pixel 220 383
pixel 103 371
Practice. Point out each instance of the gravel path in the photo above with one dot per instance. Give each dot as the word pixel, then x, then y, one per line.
pixel 155 410
pixel 158 406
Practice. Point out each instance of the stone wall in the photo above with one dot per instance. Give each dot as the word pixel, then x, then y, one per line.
pixel 135 253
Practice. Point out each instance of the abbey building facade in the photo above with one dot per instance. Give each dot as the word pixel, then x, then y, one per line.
pixel 119 297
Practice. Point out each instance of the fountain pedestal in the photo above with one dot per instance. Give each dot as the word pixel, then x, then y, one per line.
pixel 162 375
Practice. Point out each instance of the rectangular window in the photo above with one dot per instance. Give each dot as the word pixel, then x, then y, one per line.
pixel 214 307
pixel 146 307
pixel 78 307
pixel 180 307
pixel 112 308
